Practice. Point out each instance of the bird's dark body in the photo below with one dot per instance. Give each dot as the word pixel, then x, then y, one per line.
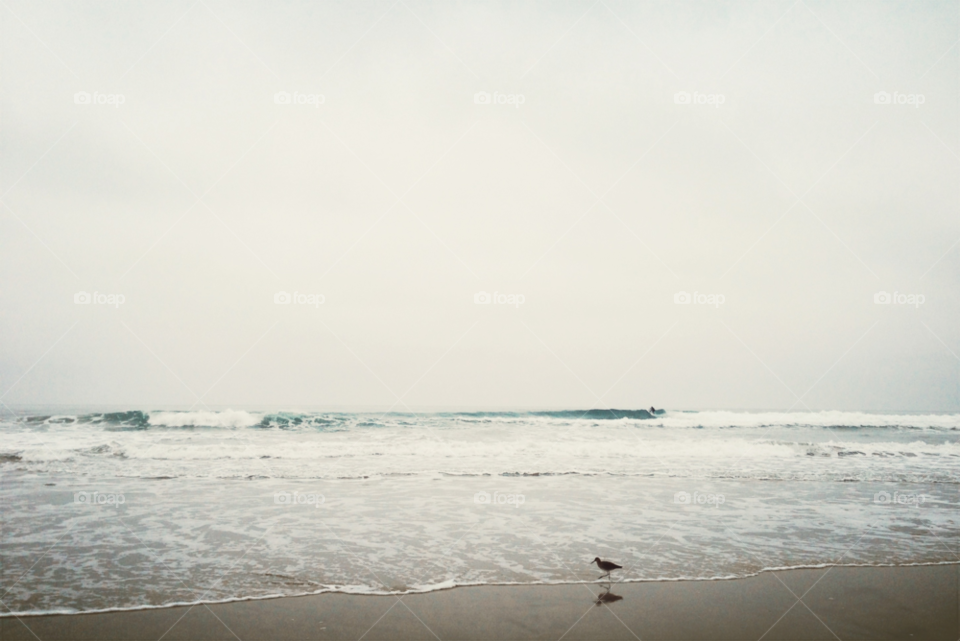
pixel 606 566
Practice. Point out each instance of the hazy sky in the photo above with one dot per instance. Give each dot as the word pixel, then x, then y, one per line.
pixel 587 161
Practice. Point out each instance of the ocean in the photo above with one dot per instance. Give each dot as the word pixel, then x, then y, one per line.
pixel 150 508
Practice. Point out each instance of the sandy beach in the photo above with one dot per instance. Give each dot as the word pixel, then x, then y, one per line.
pixel 920 602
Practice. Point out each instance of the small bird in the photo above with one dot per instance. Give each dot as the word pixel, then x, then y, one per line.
pixel 606 566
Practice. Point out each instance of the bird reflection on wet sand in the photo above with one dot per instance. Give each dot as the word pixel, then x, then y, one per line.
pixel 607 597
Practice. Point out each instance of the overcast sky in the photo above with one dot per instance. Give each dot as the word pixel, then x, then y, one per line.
pixel 780 162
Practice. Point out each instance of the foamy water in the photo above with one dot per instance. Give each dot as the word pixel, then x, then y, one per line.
pixel 150 508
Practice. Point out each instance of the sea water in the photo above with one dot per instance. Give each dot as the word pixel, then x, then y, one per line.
pixel 140 508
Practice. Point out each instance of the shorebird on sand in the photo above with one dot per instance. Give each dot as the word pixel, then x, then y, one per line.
pixel 606 566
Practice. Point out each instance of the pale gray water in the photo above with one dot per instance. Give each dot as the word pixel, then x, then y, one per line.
pixel 398 502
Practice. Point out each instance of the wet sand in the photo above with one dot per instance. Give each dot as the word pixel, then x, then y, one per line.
pixel 837 603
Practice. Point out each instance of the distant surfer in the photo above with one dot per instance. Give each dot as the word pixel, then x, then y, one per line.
pixel 652 411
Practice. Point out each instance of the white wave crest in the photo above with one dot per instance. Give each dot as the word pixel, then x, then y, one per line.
pixel 807 419
pixel 226 418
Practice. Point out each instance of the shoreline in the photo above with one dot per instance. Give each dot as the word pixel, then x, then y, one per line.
pixel 893 601
pixel 442 587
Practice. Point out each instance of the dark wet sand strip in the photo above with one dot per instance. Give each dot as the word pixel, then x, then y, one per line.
pixel 903 603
